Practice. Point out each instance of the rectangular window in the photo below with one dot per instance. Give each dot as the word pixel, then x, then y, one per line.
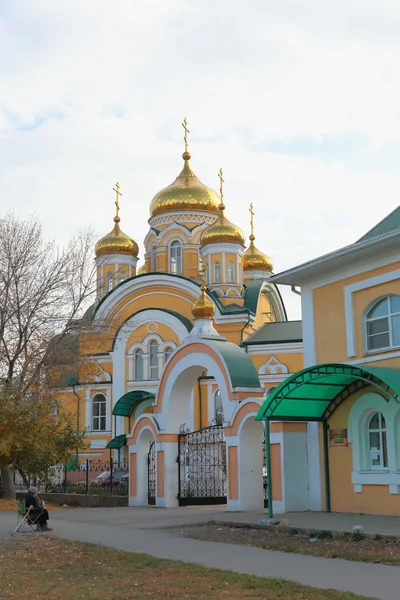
pixel 99 421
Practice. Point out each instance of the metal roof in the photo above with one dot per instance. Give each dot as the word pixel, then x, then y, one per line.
pixel 388 224
pixel 276 333
pixel 128 401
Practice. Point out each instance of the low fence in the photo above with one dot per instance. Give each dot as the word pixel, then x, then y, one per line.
pixel 92 477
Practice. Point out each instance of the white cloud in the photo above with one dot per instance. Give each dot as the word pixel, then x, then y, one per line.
pixel 297 101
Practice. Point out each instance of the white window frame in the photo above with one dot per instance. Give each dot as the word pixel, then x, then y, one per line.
pixel 382 432
pixel 231 271
pixel 102 413
pixel 154 372
pixel 138 352
pixel 122 276
pixel 175 257
pixel 388 316
pixel 217 272
pixel 167 353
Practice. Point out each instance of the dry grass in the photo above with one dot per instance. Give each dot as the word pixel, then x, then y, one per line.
pixel 13 504
pixel 382 550
pixel 51 569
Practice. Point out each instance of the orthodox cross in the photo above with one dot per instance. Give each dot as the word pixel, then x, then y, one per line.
pixel 252 213
pixel 202 272
pixel 221 184
pixel 185 127
pixel 117 193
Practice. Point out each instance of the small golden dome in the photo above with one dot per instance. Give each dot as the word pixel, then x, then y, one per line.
pixel 117 242
pixel 142 270
pixel 185 193
pixel 203 308
pixel 255 260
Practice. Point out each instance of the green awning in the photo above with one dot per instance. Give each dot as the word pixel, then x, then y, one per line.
pixel 315 393
pixel 117 442
pixel 127 402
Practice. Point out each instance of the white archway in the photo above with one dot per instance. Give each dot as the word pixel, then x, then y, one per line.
pixel 145 439
pixel 250 464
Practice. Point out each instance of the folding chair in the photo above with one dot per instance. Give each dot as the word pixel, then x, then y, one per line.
pixel 25 520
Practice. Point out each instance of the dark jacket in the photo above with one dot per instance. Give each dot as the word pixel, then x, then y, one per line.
pixel 31 500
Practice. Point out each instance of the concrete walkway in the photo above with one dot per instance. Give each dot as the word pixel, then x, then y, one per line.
pixel 141 530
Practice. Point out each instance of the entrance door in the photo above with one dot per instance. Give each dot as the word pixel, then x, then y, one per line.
pixel 151 475
pixel 202 466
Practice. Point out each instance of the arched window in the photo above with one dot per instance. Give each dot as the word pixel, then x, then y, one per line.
pixel 99 412
pixel 109 282
pixel 153 258
pixel 122 276
pixel 378 442
pixel 167 353
pixel 153 360
pixel 231 271
pixel 138 365
pixel 383 324
pixel 175 265
pixel 219 413
pixel 217 272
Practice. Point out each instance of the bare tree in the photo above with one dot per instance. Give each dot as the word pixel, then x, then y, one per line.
pixel 44 291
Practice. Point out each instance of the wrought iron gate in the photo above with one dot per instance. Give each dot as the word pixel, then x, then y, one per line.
pixel 151 475
pixel 202 466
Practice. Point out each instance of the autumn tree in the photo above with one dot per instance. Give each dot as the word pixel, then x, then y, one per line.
pixel 44 291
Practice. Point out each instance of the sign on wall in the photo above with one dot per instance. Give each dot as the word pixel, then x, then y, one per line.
pixel 338 438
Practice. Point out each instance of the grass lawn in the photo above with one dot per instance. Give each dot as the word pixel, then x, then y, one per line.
pixel 38 566
pixel 366 549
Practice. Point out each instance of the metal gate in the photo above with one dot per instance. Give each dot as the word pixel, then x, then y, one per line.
pixel 202 466
pixel 151 475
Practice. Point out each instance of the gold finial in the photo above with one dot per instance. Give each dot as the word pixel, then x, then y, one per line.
pixel 202 272
pixel 117 193
pixel 252 213
pixel 185 127
pixel 203 308
pixel 221 189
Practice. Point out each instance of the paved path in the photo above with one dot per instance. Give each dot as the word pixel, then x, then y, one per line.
pixel 140 530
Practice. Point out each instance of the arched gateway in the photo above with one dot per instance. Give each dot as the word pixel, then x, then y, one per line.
pixel 202 466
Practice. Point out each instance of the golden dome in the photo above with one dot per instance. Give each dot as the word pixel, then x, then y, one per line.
pixel 185 193
pixel 142 270
pixel 222 230
pixel 117 242
pixel 203 308
pixel 255 260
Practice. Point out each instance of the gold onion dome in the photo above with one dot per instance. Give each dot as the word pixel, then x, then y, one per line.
pixel 117 242
pixel 142 270
pixel 203 308
pixel 255 260
pixel 185 193
pixel 222 230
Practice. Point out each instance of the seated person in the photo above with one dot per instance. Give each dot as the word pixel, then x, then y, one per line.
pixel 32 499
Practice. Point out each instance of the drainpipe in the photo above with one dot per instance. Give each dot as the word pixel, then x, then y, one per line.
pixel 268 465
pixel 293 288
pixel 77 417
pixel 244 327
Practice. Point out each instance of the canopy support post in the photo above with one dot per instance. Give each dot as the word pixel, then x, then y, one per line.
pixel 325 429
pixel 268 465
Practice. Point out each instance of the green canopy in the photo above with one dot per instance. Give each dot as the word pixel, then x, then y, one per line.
pixel 117 442
pixel 127 402
pixel 314 393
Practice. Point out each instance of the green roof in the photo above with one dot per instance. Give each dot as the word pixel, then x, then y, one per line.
pixel 127 402
pixel 315 393
pixel 242 371
pixel 387 225
pixel 117 442
pixel 279 332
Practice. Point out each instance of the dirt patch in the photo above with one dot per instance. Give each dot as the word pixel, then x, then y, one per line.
pixel 13 505
pixel 53 569
pixel 350 546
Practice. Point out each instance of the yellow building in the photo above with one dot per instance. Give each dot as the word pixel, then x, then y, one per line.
pixel 186 362
pixel 345 403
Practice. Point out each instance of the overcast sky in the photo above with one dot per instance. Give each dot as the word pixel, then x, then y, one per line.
pixel 297 100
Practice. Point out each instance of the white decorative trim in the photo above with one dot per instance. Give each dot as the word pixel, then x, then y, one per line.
pixel 183 216
pixel 276 378
pixel 283 348
pixel 308 326
pixel 373 358
pixel 272 367
pixel 358 488
pixel 314 467
pixel 393 489
pixel 348 291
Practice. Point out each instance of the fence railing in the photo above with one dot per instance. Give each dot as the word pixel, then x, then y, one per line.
pixel 90 477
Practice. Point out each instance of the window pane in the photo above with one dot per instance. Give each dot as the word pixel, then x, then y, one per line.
pixel 384 450
pixel 230 272
pixel 395 304
pixel 102 423
pixel 374 422
pixel 380 309
pixel 95 409
pixel 396 330
pixel 378 326
pixel 378 341
pixel 383 422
